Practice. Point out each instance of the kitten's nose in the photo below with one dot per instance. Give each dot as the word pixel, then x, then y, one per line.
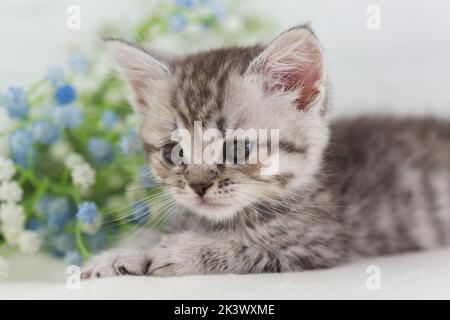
pixel 200 178
pixel 201 188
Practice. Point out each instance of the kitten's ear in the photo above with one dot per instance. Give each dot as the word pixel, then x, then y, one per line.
pixel 140 68
pixel 293 62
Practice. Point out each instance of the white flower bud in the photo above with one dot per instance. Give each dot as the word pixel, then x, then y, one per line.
pixel 13 219
pixel 83 176
pixel 60 150
pixel 73 160
pixel 10 191
pixel 7 169
pixel 29 242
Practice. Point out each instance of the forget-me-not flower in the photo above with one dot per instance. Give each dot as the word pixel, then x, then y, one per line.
pixel 65 94
pixel 109 119
pixel 177 22
pixel 101 151
pixel 73 257
pixel 130 143
pixel 15 102
pixel 45 132
pixel 87 212
pixel 78 62
pixel 55 75
pixel 21 147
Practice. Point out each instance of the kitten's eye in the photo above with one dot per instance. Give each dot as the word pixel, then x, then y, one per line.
pixel 236 152
pixel 172 153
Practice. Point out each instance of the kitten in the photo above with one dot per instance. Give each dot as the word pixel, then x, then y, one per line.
pixel 366 186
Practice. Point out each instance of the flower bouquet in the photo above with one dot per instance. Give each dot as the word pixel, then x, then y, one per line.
pixel 72 173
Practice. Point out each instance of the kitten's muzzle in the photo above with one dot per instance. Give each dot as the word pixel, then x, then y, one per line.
pixel 200 189
pixel 200 178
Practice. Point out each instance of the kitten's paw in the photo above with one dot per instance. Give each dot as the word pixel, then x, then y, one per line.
pixel 172 257
pixel 117 263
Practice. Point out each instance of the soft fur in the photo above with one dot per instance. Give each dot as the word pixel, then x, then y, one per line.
pixel 364 186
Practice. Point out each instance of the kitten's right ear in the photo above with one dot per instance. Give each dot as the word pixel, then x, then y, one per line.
pixel 138 67
pixel 293 62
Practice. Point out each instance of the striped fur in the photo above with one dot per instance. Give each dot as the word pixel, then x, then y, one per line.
pixel 365 186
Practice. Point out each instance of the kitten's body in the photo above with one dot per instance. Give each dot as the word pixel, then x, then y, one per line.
pixel 381 185
pixel 393 178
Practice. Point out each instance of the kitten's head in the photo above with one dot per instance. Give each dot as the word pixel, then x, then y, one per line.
pixel 280 86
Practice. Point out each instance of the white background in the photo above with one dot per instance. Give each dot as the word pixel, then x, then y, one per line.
pixel 404 67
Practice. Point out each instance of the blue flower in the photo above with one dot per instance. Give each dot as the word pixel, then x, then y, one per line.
pixel 130 143
pixel 68 116
pixel 98 241
pixel 56 221
pixel 87 212
pixel 59 205
pixel 146 176
pixel 15 101
pixel 188 4
pixel 58 212
pixel 74 117
pixel 101 151
pixel 43 204
pixel 177 22
pixel 45 132
pixel 62 243
pixel 59 115
pixel 218 9
pixel 109 119
pixel 65 94
pixel 21 141
pixel 21 147
pixel 57 254
pixel 141 212
pixel 55 75
pixel 33 224
pixel 78 62
pixel 73 257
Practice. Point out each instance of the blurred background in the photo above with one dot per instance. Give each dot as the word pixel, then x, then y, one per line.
pixel 403 67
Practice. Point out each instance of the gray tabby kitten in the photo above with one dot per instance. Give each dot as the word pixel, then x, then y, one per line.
pixel 359 187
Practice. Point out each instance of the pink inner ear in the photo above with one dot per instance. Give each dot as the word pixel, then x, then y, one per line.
pixel 138 86
pixel 304 78
pixel 306 81
pixel 295 67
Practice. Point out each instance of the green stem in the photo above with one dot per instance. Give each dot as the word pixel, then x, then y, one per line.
pixel 55 188
pixel 3 245
pixel 36 86
pixel 28 175
pixel 7 250
pixel 80 243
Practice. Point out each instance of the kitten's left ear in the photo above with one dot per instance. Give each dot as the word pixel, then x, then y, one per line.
pixel 139 67
pixel 293 62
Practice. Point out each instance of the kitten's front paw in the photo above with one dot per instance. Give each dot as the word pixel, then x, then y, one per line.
pixel 117 263
pixel 172 257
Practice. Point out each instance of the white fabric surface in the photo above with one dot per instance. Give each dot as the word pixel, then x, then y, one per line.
pixel 422 275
